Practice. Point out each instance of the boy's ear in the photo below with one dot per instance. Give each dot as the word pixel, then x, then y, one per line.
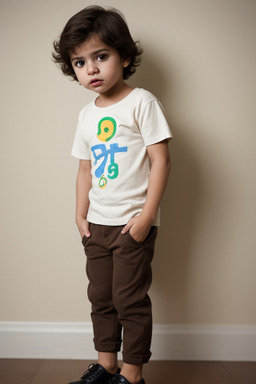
pixel 126 62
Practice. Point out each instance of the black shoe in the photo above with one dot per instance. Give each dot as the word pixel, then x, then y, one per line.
pixel 95 374
pixel 119 379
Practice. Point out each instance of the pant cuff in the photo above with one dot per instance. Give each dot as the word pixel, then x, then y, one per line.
pixel 136 360
pixel 107 347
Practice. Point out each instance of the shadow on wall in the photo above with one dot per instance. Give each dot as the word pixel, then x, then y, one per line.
pixel 178 215
pixel 178 209
pixel 149 76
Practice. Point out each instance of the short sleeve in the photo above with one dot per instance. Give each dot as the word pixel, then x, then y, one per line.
pixel 153 124
pixel 80 147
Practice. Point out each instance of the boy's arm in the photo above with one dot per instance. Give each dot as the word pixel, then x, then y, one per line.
pixel 83 186
pixel 139 226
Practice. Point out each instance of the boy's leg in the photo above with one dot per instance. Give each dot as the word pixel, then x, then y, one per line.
pixel 99 268
pixel 131 282
pixel 109 361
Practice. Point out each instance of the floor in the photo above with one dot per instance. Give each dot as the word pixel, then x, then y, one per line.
pixel 18 371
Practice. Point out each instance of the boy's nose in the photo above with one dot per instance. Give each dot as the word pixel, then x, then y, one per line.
pixel 92 69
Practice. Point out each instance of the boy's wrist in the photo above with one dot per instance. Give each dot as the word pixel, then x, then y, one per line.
pixel 149 217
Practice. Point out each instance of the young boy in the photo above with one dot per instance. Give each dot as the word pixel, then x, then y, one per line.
pixel 121 141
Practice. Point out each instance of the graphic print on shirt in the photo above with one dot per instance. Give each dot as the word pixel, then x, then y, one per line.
pixel 106 131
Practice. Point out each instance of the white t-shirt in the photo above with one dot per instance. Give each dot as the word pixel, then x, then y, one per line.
pixel 115 138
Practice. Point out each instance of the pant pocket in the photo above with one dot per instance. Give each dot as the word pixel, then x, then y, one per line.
pixel 151 235
pixel 84 240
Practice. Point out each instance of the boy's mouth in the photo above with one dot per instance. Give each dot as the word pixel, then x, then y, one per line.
pixel 96 82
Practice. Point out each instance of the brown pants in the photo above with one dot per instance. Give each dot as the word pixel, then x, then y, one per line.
pixel 119 273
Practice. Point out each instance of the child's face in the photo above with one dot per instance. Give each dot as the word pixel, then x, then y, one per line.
pixel 98 67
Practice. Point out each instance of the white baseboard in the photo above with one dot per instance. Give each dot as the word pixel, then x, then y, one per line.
pixel 170 342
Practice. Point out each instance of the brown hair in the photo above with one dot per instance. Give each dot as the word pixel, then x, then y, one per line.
pixel 112 29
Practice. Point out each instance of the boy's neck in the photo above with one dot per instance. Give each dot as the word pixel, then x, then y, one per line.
pixel 113 96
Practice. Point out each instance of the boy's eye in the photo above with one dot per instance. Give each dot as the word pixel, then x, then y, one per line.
pixel 102 57
pixel 80 63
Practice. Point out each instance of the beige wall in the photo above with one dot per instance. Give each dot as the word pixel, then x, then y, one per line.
pixel 200 61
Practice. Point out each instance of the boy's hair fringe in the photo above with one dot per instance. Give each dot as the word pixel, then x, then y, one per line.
pixel 109 25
